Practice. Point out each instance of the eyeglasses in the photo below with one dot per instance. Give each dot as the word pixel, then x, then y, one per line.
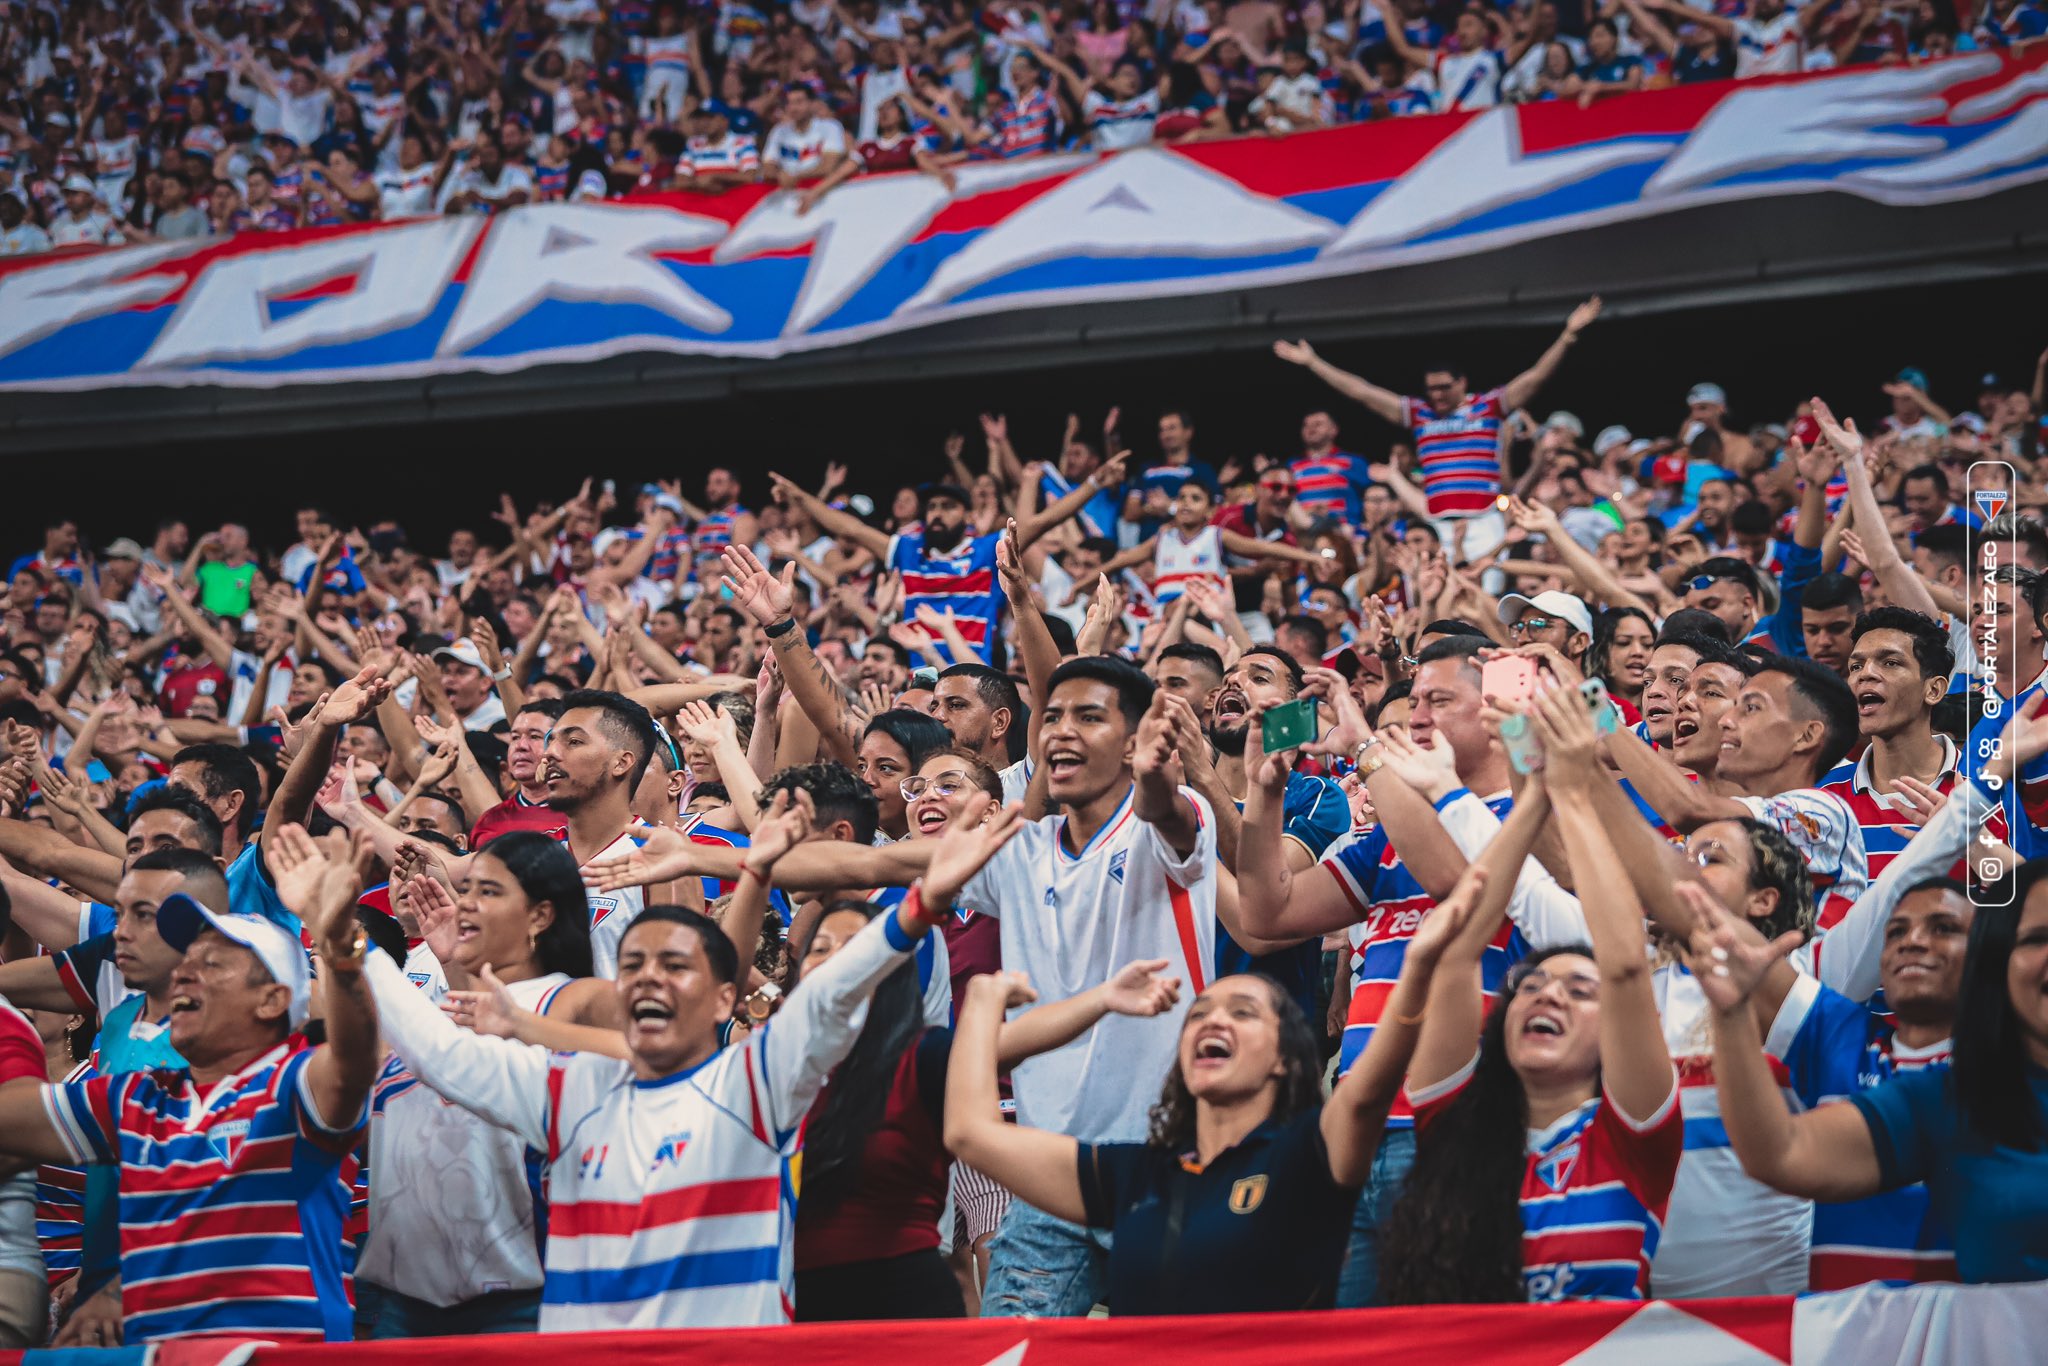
pixel 945 786
pixel 1287 489
pixel 1578 985
pixel 1529 624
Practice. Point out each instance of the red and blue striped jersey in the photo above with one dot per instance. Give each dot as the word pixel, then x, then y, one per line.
pixel 1023 127
pixel 1594 1193
pixel 1328 485
pixel 1887 830
pixel 962 581
pixel 1832 1048
pixel 60 1210
pixel 232 1199
pixel 1390 905
pixel 709 537
pixel 1460 453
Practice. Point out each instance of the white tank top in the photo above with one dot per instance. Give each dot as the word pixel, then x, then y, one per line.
pixel 1176 561
pixel 453 1198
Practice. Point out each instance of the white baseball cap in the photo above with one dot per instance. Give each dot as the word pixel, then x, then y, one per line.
pixel 1707 393
pixel 180 920
pixel 1610 437
pixel 462 651
pixel 78 183
pixel 1552 602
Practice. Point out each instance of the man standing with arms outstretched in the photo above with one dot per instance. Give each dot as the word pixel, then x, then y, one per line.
pixel 1457 434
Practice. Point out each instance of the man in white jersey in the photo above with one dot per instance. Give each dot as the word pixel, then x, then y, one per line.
pixel 671 1165
pixel 1126 870
pixel 593 762
pixel 808 142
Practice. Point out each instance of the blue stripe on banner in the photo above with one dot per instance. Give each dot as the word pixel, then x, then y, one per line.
pixel 85 1356
pixel 621 1285
pixel 1706 1132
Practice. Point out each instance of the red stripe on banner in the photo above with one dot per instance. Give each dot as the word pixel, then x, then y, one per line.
pixel 1484 1335
pixel 345 283
pixel 1190 942
pixel 603 1219
pixel 987 210
pixel 1360 154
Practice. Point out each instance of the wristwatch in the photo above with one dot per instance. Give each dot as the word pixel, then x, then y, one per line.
pixel 1368 767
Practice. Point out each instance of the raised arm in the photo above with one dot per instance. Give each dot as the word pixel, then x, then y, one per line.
pixel 1385 403
pixel 1685 804
pixel 1454 1006
pixel 1157 770
pixel 1109 476
pixel 1041 1168
pixel 320 886
pixel 1635 1066
pixel 1355 1115
pixel 771 602
pixel 830 519
pixel 1824 1154
pixel 1519 390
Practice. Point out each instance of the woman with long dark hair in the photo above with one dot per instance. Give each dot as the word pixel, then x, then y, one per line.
pixel 1240 1198
pixel 1548 1134
pixel 454 1201
pixel 1623 640
pixel 1976 1132
pixel 875 1164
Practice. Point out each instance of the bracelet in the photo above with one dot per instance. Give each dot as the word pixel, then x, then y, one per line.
pixel 780 628
pixel 745 872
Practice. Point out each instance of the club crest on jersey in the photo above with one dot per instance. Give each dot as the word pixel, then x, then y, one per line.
pixel 590 1166
pixel 1248 1194
pixel 226 1138
pixel 601 907
pixel 1556 1168
pixel 670 1149
pixel 1990 502
pixel 1116 864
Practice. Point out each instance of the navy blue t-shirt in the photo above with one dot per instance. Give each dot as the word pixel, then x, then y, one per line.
pixel 1261 1229
pixel 1994 1199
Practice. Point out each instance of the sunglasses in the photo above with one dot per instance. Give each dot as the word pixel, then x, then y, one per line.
pixel 945 786
pixel 1528 624
pixel 1698 582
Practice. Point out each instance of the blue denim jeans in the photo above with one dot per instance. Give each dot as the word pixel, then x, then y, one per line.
pixel 1044 1268
pixel 505 1311
pixel 1358 1286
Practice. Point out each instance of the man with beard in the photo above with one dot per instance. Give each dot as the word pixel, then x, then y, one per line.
pixel 943 567
pixel 591 765
pixel 719 523
pixel 527 808
pixel 1314 811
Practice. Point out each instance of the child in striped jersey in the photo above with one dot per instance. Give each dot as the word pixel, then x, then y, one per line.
pixel 1569 1107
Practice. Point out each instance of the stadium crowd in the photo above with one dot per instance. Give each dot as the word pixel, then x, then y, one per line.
pixel 178 119
pixel 1536 862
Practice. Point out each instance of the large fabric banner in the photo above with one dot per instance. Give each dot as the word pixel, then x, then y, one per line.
pixel 747 274
pixel 1927 1325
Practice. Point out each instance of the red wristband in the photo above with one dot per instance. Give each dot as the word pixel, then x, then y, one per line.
pixel 914 908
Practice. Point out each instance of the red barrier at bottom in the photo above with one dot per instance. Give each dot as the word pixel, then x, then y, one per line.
pixel 1739 1332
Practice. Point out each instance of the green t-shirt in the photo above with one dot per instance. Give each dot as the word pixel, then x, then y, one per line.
pixel 224 588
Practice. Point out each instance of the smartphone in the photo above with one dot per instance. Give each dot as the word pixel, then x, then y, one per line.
pixel 1524 747
pixel 1606 716
pixel 1288 726
pixel 1510 678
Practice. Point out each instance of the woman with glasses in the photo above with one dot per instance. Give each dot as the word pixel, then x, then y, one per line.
pixel 1549 1130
